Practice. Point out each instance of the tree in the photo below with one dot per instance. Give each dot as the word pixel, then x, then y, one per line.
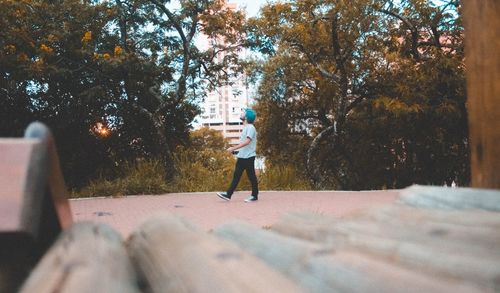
pixel 332 63
pixel 44 74
pixel 179 63
pixel 114 80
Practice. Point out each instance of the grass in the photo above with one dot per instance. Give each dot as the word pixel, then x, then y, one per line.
pixel 140 177
pixel 283 178
pixel 148 177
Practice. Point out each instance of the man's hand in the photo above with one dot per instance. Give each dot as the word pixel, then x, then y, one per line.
pixel 242 144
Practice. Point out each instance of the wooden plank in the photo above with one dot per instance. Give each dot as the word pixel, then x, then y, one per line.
pixel 172 256
pixel 19 248
pixel 482 24
pixel 15 156
pixel 450 198
pixel 449 251
pixel 466 218
pixel 46 209
pixel 33 195
pixel 328 268
pixel 464 231
pixel 33 204
pixel 88 257
pixel 476 231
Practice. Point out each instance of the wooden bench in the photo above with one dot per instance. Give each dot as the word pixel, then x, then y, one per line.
pixel 410 246
pixel 433 239
pixel 33 203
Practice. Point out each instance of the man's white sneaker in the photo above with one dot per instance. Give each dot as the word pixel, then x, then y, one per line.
pixel 250 199
pixel 223 195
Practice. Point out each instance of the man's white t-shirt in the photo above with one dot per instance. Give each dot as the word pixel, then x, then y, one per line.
pixel 248 151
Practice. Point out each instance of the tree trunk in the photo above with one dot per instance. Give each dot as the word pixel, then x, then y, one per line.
pixel 122 23
pixel 162 150
pixel 482 22
pixel 313 168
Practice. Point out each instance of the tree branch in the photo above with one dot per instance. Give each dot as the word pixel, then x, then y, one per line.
pixel 172 18
pixel 413 30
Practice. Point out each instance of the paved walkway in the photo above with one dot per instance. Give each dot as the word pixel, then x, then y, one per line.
pixel 207 211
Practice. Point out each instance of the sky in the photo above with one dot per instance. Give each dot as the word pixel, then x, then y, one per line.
pixel 252 6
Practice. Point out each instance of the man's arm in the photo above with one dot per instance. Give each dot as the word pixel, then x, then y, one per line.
pixel 240 145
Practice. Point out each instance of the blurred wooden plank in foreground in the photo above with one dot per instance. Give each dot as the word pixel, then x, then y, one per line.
pixel 447 244
pixel 33 204
pixel 172 256
pixel 88 257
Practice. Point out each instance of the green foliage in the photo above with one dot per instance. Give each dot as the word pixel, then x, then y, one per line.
pixel 204 165
pixel 140 177
pixel 203 170
pixel 129 67
pixel 120 81
pixel 147 177
pixel 283 178
pixel 372 90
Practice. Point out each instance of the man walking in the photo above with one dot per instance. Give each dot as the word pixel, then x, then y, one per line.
pixel 245 152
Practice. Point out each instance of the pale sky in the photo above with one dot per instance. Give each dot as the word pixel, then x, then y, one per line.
pixel 252 6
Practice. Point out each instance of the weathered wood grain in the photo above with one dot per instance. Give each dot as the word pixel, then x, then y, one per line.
pixel 451 198
pixel 172 256
pixel 461 252
pixel 88 257
pixel 417 226
pixel 327 268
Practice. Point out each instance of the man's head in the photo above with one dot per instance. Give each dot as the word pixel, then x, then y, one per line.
pixel 248 114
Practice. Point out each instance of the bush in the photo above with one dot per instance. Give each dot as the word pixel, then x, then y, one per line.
pixel 204 165
pixel 205 171
pixel 193 175
pixel 283 178
pixel 140 177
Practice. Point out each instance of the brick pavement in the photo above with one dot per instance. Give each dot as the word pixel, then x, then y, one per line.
pixel 207 211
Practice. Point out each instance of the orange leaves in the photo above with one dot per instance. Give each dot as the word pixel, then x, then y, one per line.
pixel 22 57
pixel 52 38
pixel 12 49
pixel 9 49
pixel 117 54
pixel 396 106
pixel 46 49
pixel 111 55
pixel 19 13
pixel 105 56
pixel 118 51
pixel 87 37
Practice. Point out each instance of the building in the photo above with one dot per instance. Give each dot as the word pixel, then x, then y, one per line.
pixel 222 107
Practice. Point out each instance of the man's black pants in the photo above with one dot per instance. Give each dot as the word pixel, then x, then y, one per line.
pixel 241 165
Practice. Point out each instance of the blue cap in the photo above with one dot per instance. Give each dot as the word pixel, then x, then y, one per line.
pixel 250 115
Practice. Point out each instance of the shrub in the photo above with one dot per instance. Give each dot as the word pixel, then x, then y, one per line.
pixel 283 178
pixel 139 177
